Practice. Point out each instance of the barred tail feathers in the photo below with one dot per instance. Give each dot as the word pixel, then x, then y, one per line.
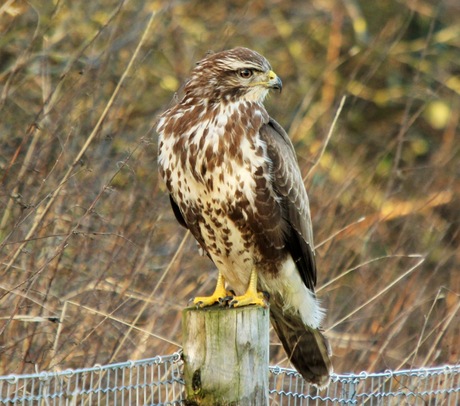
pixel 296 317
pixel 307 348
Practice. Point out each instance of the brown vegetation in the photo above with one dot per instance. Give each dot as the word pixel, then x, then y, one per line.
pixel 94 267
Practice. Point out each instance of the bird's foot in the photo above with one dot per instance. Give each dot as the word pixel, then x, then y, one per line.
pixel 252 295
pixel 250 298
pixel 220 296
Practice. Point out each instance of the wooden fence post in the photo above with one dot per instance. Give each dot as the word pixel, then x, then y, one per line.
pixel 226 354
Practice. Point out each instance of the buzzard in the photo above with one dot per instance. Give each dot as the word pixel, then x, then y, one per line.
pixel 234 182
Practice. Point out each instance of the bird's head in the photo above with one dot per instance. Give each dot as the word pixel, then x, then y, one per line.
pixel 235 74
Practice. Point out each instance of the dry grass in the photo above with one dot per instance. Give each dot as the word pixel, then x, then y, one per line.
pixel 94 267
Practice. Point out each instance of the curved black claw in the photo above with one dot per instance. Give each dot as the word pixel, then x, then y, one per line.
pixel 197 305
pixel 224 301
pixel 266 295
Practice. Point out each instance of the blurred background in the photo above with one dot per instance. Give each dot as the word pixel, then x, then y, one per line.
pixel 94 267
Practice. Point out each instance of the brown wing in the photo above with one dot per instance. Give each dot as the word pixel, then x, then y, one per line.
pixel 180 219
pixel 288 185
pixel 191 223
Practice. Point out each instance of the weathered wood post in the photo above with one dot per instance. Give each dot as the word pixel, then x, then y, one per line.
pixel 226 354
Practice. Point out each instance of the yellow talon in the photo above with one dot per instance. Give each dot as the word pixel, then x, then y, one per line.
pixel 252 296
pixel 219 294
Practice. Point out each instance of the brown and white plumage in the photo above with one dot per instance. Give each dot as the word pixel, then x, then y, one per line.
pixel 235 183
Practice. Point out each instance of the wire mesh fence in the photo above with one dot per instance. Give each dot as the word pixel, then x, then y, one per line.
pixel 158 381
pixel 153 381
pixel 427 386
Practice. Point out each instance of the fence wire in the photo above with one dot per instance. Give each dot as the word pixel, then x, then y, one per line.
pixel 158 381
pixel 153 381
pixel 428 387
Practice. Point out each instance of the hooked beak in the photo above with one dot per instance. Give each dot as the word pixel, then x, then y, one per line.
pixel 274 82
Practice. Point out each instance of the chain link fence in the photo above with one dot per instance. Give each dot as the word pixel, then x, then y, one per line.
pixel 158 381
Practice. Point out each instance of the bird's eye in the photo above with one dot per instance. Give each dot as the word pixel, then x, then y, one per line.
pixel 245 73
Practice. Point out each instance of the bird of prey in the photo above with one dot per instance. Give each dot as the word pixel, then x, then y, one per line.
pixel 234 182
